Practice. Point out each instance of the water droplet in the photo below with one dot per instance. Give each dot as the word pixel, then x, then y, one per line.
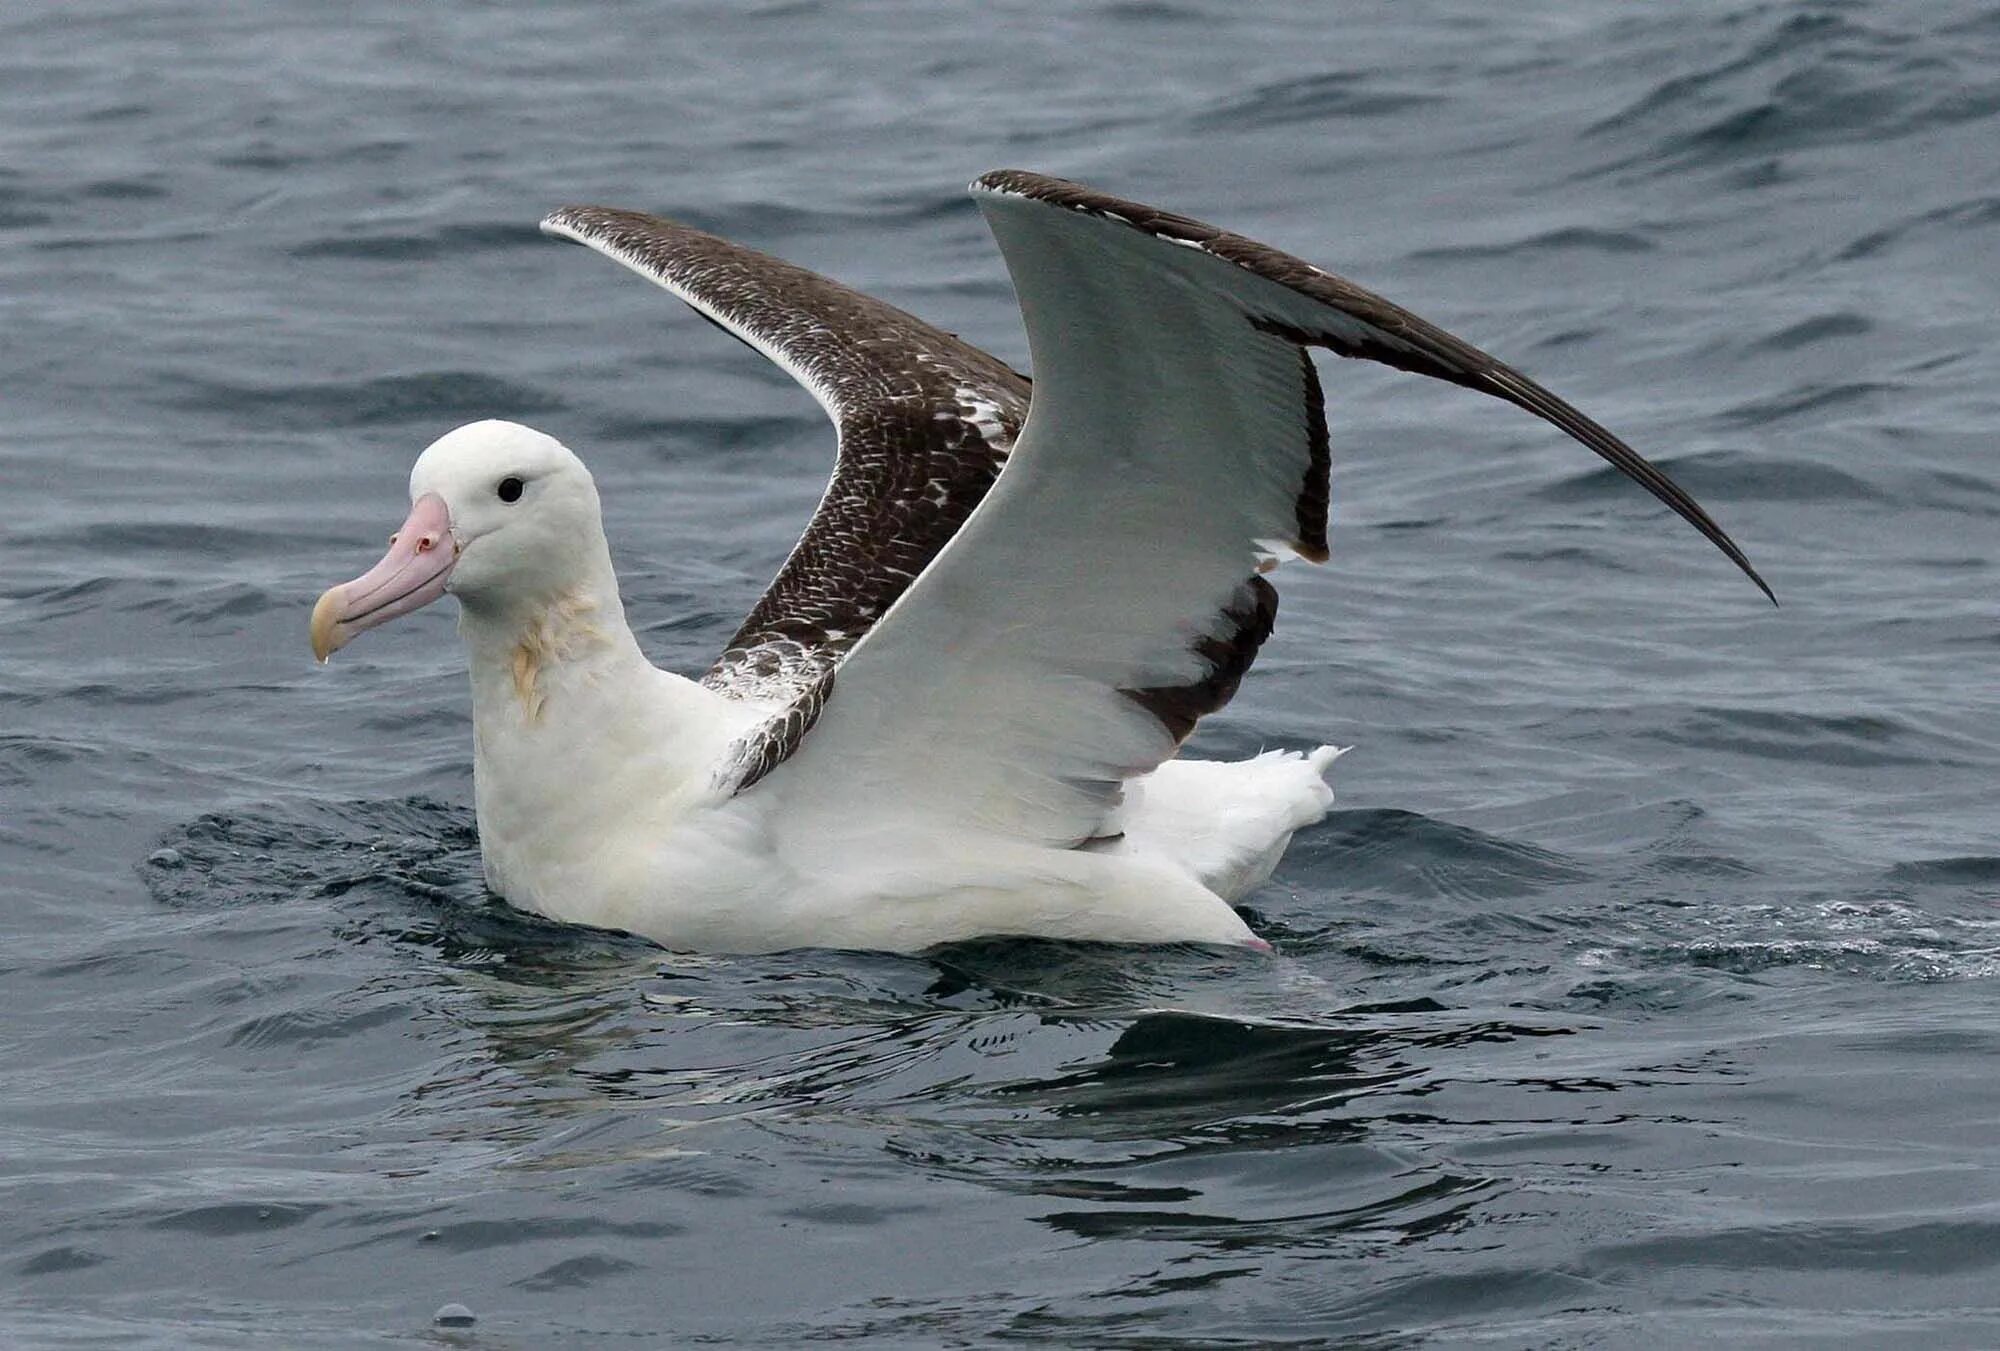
pixel 165 858
pixel 454 1316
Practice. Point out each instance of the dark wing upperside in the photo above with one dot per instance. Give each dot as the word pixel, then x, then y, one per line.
pixel 924 423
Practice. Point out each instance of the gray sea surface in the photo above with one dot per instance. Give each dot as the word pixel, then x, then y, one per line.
pixel 1643 989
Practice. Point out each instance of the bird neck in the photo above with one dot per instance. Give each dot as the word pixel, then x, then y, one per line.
pixel 525 657
pixel 580 745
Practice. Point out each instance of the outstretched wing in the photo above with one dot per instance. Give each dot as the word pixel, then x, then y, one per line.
pixel 1097 600
pixel 924 422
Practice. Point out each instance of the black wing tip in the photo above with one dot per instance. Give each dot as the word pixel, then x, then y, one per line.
pixel 1713 533
pixel 1743 565
pixel 1734 553
pixel 1762 585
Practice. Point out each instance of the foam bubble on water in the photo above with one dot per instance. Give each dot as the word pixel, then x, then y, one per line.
pixel 1881 938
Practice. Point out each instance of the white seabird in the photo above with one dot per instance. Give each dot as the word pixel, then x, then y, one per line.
pixel 955 711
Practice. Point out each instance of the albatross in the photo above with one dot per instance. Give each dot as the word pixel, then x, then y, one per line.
pixel 956 710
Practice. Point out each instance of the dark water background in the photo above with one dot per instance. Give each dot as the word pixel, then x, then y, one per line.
pixel 1644 989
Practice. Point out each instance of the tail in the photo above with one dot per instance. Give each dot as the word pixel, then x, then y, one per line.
pixel 1322 760
pixel 1227 822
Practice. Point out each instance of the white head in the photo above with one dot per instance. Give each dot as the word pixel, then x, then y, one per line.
pixel 501 516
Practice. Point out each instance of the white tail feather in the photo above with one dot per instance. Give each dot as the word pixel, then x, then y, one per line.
pixel 1227 823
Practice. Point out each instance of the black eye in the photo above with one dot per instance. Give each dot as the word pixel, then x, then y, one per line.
pixel 510 489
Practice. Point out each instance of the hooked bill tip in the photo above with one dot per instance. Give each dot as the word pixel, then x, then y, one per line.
pixel 325 619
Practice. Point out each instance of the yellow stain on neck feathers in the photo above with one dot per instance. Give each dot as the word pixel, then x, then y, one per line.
pixel 559 632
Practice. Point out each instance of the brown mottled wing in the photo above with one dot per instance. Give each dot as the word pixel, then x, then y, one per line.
pixel 924 423
pixel 1095 603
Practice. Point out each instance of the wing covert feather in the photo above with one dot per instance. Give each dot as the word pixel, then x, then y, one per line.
pixel 924 422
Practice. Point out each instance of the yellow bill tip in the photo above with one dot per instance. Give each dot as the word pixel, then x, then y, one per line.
pixel 325 619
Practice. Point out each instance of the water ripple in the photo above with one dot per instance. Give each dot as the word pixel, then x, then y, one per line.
pixel 1642 990
pixel 1312 98
pixel 440 241
pixel 429 398
pixel 1813 78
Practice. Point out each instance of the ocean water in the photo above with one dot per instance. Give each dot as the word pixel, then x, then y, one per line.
pixel 1643 989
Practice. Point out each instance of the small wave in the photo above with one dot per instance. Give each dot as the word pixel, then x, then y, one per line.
pixel 125 190
pixel 383 401
pixel 1678 862
pixel 1571 239
pixel 1975 213
pixel 1925 1249
pixel 1878 939
pixel 691 436
pixel 1314 98
pixel 1437 1205
pixel 200 606
pixel 68 598
pixel 26 759
pixel 762 219
pixel 230 1219
pixel 918 207
pixel 1814 399
pixel 1951 490
pixel 268 156
pixel 315 1019
pixel 22 207
pixel 576 1273
pixel 1596 559
pixel 266 857
pixel 405 869
pixel 1811 79
pixel 1723 475
pixel 1405 854
pixel 1819 329
pixel 181 539
pixel 1197 1077
pixel 1853 740
pixel 1966 870
pixel 447 240
pixel 23 218
pixel 1152 11
pixel 472 1236
pixel 62 1258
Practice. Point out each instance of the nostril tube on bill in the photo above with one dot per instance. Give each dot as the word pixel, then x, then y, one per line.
pixel 395 586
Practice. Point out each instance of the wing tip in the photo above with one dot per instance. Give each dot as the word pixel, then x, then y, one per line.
pixel 1001 183
pixel 1050 188
pixel 572 222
